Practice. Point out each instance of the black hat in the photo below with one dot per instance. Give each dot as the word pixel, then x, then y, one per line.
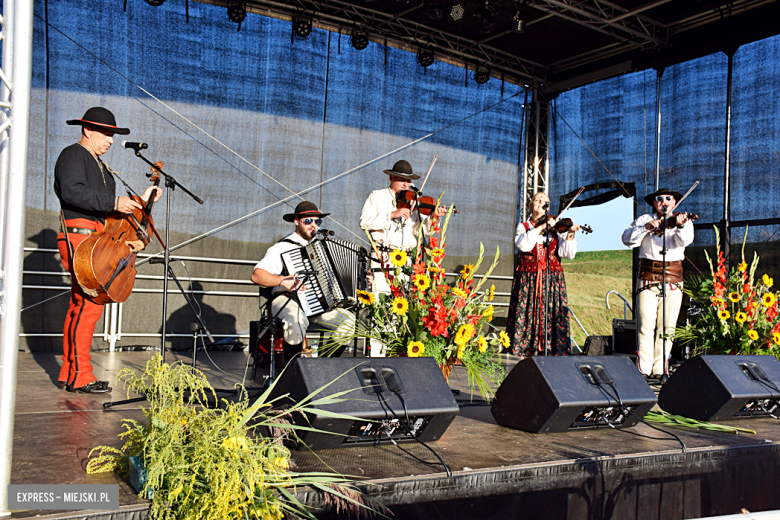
pixel 303 210
pixel 663 191
pixel 101 119
pixel 403 170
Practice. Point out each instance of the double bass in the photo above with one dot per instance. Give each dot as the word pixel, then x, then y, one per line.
pixel 104 263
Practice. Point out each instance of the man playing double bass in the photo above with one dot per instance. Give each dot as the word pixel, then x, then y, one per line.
pixel 653 330
pixel 86 189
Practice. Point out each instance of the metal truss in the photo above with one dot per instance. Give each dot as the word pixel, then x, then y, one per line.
pixel 536 163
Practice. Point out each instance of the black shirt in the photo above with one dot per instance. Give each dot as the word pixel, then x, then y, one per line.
pixel 85 189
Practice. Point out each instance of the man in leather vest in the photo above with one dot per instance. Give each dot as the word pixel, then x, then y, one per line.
pixel 654 350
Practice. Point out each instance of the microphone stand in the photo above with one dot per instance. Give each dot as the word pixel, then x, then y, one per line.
pixel 170 184
pixel 547 241
pixel 662 295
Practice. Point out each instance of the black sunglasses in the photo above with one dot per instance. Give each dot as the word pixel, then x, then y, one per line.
pixel 307 221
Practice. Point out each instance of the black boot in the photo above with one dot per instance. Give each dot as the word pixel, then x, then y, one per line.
pixel 291 350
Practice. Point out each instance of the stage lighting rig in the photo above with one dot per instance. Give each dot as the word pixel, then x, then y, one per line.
pixel 457 10
pixel 487 17
pixel 236 12
pixel 425 57
pixel 359 39
pixel 482 74
pixel 517 23
pixel 302 26
pixel 434 9
pixel 155 3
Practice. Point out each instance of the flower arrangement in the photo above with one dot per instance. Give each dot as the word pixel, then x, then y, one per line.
pixel 740 314
pixel 203 462
pixel 426 316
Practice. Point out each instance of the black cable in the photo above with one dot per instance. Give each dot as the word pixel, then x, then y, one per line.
pixel 383 401
pixel 616 398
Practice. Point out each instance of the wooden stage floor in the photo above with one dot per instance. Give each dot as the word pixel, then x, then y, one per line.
pixel 498 472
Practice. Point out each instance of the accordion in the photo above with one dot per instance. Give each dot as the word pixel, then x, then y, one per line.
pixel 339 273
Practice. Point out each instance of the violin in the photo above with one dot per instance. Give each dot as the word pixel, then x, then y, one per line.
pixel 104 263
pixel 426 205
pixel 671 221
pixel 564 225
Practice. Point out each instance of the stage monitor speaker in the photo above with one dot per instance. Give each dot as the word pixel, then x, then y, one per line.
pixel 566 393
pixel 624 338
pixel 381 392
pixel 715 388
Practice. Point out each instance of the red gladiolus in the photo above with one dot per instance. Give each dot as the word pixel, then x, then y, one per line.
pixel 418 268
pixel 434 242
pixel 746 288
pixel 771 313
pixel 436 321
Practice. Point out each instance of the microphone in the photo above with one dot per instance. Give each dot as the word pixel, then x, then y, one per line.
pixel 159 260
pixel 325 232
pixel 134 146
pixel 546 205
pixel 415 189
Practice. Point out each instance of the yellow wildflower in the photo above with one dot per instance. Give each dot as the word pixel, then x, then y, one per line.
pixel 753 335
pixel 282 462
pixel 398 258
pixel 740 317
pixel 768 299
pixel 734 296
pixel 491 293
pixel 422 282
pixel 742 267
pixel 415 349
pixel 724 315
pixel 461 351
pixel 504 337
pixel 460 293
pixel 767 281
pixel 464 334
pixel 235 443
pixel 488 314
pixel 467 270
pixel 365 297
pixel 482 344
pixel 400 306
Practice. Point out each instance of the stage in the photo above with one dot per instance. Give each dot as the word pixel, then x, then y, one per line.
pixel 498 472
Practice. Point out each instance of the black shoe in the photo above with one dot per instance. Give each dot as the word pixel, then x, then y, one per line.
pixel 62 385
pixel 664 378
pixel 95 387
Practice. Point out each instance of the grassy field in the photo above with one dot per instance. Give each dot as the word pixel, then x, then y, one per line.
pixel 588 279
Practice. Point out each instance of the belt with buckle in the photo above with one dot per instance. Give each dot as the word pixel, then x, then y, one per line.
pixel 79 231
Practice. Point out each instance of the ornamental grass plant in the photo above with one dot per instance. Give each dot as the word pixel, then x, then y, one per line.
pixel 424 315
pixel 210 463
pixel 738 314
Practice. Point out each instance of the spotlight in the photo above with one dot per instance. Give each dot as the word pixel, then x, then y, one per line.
pixel 486 15
pixel 236 11
pixel 155 3
pixel 359 39
pixel 517 23
pixel 302 26
pixel 482 74
pixel 425 57
pixel 457 11
pixel 434 9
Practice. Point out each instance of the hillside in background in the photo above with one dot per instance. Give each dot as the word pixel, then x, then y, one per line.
pixel 589 277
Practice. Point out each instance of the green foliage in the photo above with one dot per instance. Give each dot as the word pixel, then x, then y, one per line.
pixel 678 420
pixel 208 463
pixel 740 314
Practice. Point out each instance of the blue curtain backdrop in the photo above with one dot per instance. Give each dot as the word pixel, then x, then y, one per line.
pixel 247 118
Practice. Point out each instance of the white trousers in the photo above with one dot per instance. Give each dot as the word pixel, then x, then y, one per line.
pixel 653 350
pixel 339 320
pixel 379 286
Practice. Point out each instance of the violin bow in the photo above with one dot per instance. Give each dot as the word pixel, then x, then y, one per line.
pixel 425 179
pixel 579 192
pixel 686 194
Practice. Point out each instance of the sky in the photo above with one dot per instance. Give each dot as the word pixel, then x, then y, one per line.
pixel 608 222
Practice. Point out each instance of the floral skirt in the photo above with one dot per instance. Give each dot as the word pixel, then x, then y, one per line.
pixel 526 316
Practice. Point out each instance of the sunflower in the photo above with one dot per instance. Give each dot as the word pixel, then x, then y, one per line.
pixel 717 302
pixel 740 317
pixel 742 267
pixel 433 268
pixel 437 251
pixel 464 334
pixel 467 270
pixel 768 299
pixel 504 337
pixel 753 335
pixel 422 282
pixel 460 293
pixel 724 315
pixel 734 296
pixel 461 351
pixel 365 297
pixel 776 338
pixel 398 258
pixel 491 293
pixel 415 349
pixel 767 281
pixel 400 306
pixel 488 314
pixel 482 344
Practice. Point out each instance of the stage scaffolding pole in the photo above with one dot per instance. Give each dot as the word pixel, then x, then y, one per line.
pixel 725 225
pixel 659 72
pixel 17 22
